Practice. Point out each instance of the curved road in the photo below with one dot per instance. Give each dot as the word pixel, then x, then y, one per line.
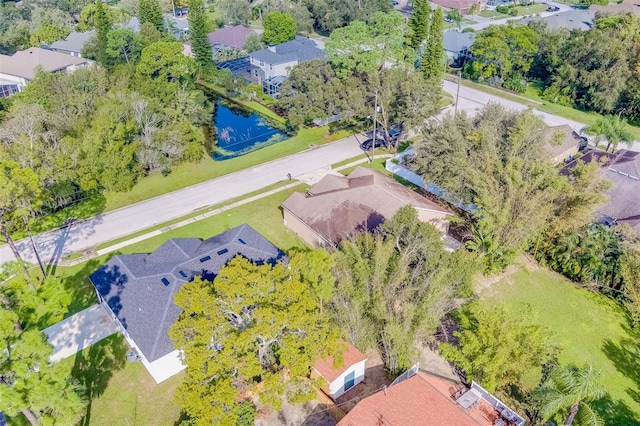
pixel 57 244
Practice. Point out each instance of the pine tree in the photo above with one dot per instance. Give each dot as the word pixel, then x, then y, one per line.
pixel 199 28
pixel 149 11
pixel 432 63
pixel 102 23
pixel 418 23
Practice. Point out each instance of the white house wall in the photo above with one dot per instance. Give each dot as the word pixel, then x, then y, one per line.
pixel 21 82
pixel 165 367
pixel 336 388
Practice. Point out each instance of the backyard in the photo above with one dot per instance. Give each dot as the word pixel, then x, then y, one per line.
pixel 590 329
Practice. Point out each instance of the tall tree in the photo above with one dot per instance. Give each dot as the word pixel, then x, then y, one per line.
pixel 253 330
pixel 496 348
pixel 432 63
pixel 418 25
pixel 235 12
pixel 123 44
pixel 630 271
pixel 613 129
pixel 279 27
pixel 199 28
pixel 20 194
pixel 393 287
pixel 572 388
pixel 102 23
pixel 150 11
pixel 29 383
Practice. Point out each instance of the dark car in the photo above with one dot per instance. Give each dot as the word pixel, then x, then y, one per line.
pixel 366 145
pixel 395 2
pixel 553 9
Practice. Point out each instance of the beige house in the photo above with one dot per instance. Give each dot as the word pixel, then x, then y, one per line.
pixel 17 70
pixel 564 143
pixel 338 207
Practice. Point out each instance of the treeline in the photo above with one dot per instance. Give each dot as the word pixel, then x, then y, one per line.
pixel 594 70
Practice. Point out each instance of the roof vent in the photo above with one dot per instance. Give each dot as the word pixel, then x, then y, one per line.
pixel 223 251
pixel 242 241
pixel 204 259
pixel 165 281
pixel 184 275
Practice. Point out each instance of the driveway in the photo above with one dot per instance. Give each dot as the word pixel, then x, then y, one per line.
pixel 79 331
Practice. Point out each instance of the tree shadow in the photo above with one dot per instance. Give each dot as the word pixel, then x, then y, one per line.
pixel 615 412
pixel 95 366
pixel 625 355
pixel 78 286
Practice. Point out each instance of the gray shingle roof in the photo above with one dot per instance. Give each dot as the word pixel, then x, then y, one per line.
pixel 456 42
pixel 235 37
pixel 571 20
pixel 74 42
pixel 300 49
pixel 132 285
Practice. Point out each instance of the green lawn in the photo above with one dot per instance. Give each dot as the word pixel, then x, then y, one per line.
pixel 187 174
pixel 264 215
pixel 122 393
pixel 589 327
pixel 532 10
pixel 492 14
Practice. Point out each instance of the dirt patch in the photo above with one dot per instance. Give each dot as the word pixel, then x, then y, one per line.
pixel 483 285
pixel 432 362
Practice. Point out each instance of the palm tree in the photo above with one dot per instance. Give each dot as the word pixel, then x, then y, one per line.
pixel 571 387
pixel 612 128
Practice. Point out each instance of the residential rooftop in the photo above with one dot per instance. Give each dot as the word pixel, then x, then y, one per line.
pixel 24 63
pixel 325 367
pixel 235 37
pixel 74 42
pixel 300 49
pixel 570 20
pixel 139 288
pixel 455 41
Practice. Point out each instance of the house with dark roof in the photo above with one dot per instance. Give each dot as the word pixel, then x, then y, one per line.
pixel 423 399
pixel 571 20
pixel 17 70
pixel 340 206
pixel 622 169
pixel 340 379
pixel 138 289
pixel 73 44
pixel 234 37
pixel 271 66
pixel 456 44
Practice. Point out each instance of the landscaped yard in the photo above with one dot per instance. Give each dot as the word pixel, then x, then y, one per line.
pixel 492 14
pixel 532 10
pixel 589 327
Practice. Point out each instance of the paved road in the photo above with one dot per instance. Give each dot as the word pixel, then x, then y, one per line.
pixel 57 244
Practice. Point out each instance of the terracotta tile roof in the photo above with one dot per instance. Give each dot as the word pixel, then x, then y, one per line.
pixel 361 201
pixel 421 400
pixel 324 367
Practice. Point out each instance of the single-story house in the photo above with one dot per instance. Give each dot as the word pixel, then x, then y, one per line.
pixel 341 379
pixel 340 206
pixel 456 44
pixel 138 289
pixel 614 8
pixel 270 66
pixel 17 70
pixel 73 44
pixel 426 400
pixel 565 143
pixel 571 20
pixel 234 37
pixel 622 169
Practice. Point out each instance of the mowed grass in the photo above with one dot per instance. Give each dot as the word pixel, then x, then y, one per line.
pixel 122 393
pixel 186 174
pixel 589 328
pixel 264 215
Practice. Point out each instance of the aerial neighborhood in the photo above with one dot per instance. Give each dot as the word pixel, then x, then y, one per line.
pixel 320 212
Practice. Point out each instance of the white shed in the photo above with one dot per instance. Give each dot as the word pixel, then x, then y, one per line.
pixel 343 378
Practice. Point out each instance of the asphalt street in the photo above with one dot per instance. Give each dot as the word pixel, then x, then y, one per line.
pixel 57 244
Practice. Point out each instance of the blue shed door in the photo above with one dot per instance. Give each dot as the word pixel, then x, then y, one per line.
pixel 349 380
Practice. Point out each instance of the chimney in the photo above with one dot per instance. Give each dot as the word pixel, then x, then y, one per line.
pixel 272 47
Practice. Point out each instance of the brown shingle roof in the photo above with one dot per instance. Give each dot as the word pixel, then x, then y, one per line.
pixel 422 400
pixel 337 207
pixel 235 37
pixel 24 63
pixel 352 356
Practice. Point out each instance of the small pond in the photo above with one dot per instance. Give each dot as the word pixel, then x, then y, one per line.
pixel 238 131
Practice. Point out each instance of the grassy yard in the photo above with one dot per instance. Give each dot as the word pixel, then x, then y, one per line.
pixel 589 328
pixel 532 10
pixel 187 174
pixel 492 14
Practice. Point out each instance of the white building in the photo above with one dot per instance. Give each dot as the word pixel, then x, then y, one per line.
pixel 341 379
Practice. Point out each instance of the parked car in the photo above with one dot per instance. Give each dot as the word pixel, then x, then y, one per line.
pixel 553 9
pixel 395 2
pixel 379 143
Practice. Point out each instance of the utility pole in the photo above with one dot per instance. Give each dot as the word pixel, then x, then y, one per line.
pixel 455 108
pixel 35 250
pixel 373 144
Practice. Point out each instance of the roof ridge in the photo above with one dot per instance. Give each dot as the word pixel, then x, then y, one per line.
pixel 167 305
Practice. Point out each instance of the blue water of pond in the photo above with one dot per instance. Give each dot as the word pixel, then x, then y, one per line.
pixel 239 132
